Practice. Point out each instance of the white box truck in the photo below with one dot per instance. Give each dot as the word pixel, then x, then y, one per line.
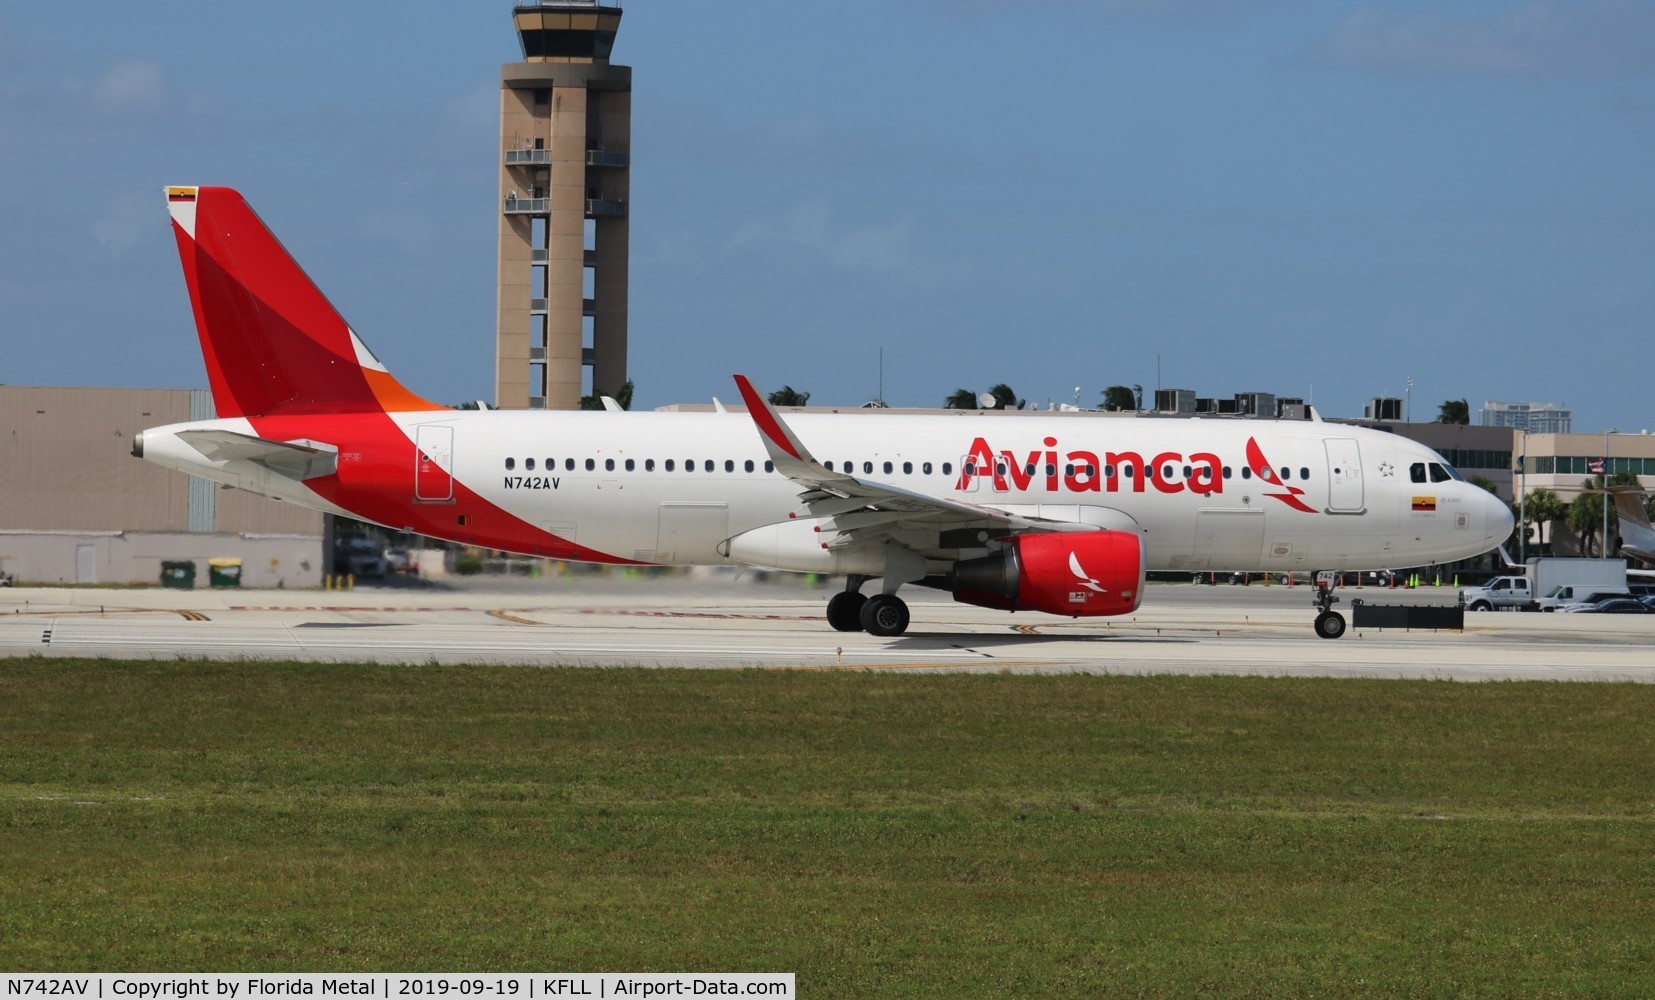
pixel 1546 583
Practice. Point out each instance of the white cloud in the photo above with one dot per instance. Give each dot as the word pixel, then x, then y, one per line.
pixel 132 85
pixel 1539 38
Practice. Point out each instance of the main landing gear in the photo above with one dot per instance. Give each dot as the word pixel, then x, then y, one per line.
pixel 1330 624
pixel 881 614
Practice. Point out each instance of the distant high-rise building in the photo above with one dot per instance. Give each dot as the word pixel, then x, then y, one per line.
pixel 1535 418
pixel 565 154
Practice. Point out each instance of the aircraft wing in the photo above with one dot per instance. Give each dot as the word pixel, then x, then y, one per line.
pixel 296 459
pixel 859 509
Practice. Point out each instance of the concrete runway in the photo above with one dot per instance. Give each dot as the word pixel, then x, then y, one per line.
pixel 717 623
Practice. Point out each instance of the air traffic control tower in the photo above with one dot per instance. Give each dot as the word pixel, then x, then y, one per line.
pixel 565 150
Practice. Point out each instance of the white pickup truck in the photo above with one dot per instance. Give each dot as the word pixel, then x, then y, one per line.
pixel 1501 592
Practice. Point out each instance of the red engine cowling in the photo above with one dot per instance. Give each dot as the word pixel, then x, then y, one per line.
pixel 1074 573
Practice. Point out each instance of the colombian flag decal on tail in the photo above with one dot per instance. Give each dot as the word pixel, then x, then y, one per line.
pixel 181 194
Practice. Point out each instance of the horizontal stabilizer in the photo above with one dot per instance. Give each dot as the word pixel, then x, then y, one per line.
pixel 295 459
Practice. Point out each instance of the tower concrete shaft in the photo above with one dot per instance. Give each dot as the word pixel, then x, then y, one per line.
pixel 566 149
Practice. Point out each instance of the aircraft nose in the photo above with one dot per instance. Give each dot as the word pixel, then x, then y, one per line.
pixel 1498 517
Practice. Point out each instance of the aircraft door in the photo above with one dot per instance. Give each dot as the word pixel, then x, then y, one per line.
pixel 1344 468
pixel 434 463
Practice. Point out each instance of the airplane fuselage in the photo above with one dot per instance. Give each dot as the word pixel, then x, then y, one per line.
pixel 669 488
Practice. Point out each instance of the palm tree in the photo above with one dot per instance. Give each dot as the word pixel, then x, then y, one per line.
pixel 1542 507
pixel 960 399
pixel 1454 411
pixel 1120 397
pixel 789 396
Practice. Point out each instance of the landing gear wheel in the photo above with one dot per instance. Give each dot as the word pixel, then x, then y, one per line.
pixel 1330 624
pixel 844 611
pixel 885 615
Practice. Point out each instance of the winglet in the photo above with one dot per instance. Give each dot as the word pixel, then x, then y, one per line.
pixel 779 441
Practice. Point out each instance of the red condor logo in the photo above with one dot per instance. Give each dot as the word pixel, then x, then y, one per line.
pixel 1084 472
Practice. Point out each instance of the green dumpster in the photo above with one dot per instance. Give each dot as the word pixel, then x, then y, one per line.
pixel 224 572
pixel 179 574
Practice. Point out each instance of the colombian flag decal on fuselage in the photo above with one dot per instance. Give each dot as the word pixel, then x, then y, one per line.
pixel 1425 503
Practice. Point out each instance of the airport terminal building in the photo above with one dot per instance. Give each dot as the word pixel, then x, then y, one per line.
pixel 76 507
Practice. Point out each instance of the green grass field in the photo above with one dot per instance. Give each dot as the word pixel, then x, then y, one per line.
pixel 878 834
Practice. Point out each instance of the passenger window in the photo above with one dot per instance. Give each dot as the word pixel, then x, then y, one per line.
pixel 649 465
pixel 551 464
pixel 511 463
pixel 709 465
pixel 1028 470
pixel 1127 473
pixel 1166 473
pixel 689 465
pixel 1304 473
pixel 629 465
pixel 948 468
pixel 1051 470
pixel 1416 472
pixel 1000 469
pixel 769 466
pixel 907 468
pixel 887 468
pixel 828 465
pixel 748 465
pixel 1246 472
pixel 1069 470
pixel 729 465
pixel 1109 472
pixel 1226 472
pixel 668 465
pixel 1286 474
pixel 1188 472
pixel 925 468
pixel 591 464
pixel 867 468
pixel 609 465
pixel 528 465
pixel 969 469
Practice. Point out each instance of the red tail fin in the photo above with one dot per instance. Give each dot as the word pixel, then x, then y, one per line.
pixel 272 341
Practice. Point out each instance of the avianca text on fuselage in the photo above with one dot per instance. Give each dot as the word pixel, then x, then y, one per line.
pixel 1083 471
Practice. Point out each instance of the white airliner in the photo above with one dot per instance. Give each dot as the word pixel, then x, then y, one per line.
pixel 1637 535
pixel 1061 515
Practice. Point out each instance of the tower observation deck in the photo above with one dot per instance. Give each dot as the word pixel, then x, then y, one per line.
pixel 565 158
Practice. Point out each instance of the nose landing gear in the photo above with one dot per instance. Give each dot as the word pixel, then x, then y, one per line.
pixel 1330 624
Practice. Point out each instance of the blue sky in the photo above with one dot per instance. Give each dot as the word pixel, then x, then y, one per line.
pixel 1316 199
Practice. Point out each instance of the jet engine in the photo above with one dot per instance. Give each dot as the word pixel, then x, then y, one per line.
pixel 1074 573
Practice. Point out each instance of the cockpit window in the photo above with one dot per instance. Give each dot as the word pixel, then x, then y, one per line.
pixel 1416 472
pixel 1438 473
